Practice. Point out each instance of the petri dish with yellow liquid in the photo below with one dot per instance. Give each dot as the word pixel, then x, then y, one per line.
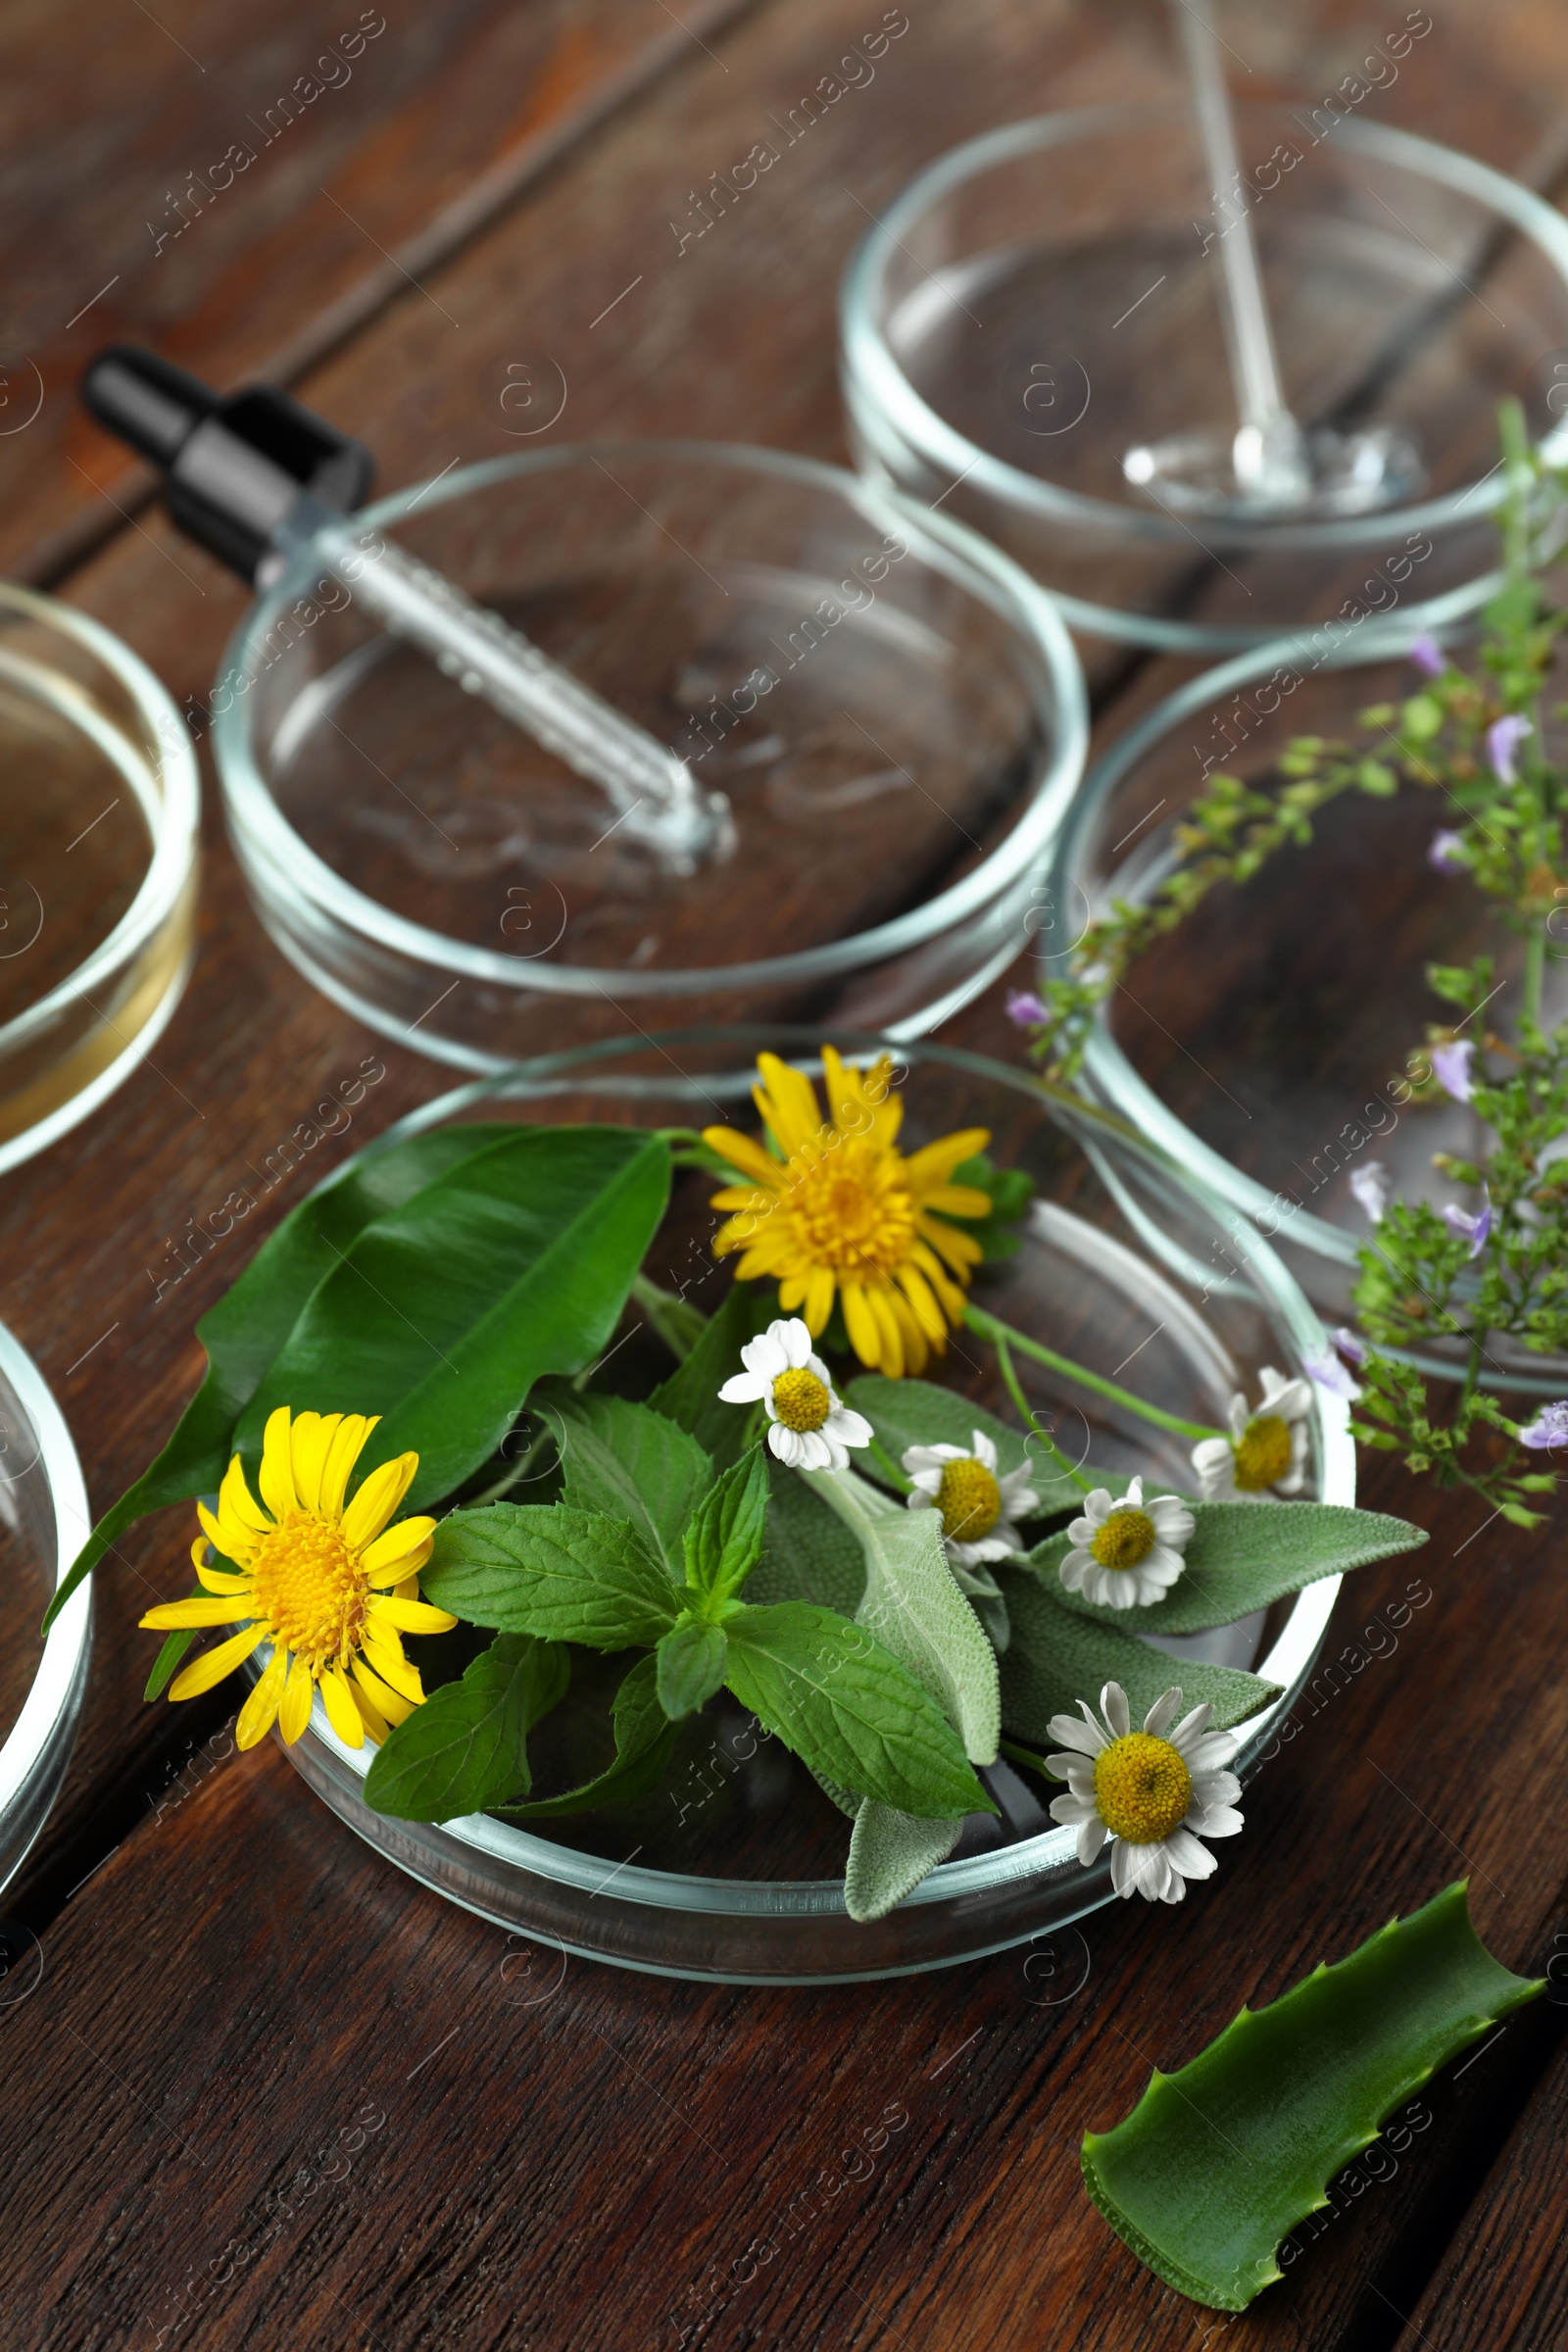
pixel 98 857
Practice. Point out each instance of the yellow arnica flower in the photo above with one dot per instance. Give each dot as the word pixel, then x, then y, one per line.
pixel 329 1583
pixel 842 1212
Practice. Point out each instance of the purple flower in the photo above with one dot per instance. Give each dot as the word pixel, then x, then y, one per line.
pixel 1330 1374
pixel 1372 1188
pixel 1451 1067
pixel 1025 1008
pixel 1446 854
pixel 1471 1228
pixel 1503 738
pixel 1350 1346
pixel 1549 1429
pixel 1427 655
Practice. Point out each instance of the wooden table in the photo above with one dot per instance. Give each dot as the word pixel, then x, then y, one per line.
pixel 269 2092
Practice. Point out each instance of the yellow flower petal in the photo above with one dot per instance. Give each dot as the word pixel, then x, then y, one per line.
pixel 215 1580
pixel 927 1313
pixel 375 1723
pixel 788 1103
pixel 387 1702
pixel 376 1500
pixel 935 1163
pixel 396 1544
pixel 211 1669
pixel 237 1502
pixel 413 1616
pixel 341 1712
pixel 961 1249
pixel 383 1651
pixel 889 1332
pixel 260 1711
pixel 199 1611
pixel 348 1443
pixel 294 1710
pixel 865 1336
pixel 309 1443
pixel 819 1291
pixel 742 1153
pixel 276 1479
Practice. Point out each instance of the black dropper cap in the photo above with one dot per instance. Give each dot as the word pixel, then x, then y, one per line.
pixel 233 468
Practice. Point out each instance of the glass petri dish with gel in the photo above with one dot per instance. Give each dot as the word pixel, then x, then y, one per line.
pixel 98 861
pixel 887 713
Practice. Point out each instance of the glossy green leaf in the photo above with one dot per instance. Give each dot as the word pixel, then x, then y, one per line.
pixel 913 1607
pixel 467 1745
pixel 1219 2160
pixel 808 1551
pixel 1243 1555
pixel 630 1462
pixel 168 1660
pixel 690 1666
pixel 725 1538
pixel 691 1397
pixel 443 1313
pixel 645 1738
pixel 1057 1656
pixel 849 1709
pixel 544 1569
pixel 244 1331
pixel 915 1412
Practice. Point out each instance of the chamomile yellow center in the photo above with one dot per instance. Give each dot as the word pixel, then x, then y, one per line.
pixel 1262 1453
pixel 850 1207
pixel 1143 1789
pixel 969 1499
pixel 310 1588
pixel 800 1400
pixel 1125 1538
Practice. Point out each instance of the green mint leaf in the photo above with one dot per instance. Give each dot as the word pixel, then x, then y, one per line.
pixel 645 1738
pixel 690 1395
pixel 1241 1557
pixel 725 1538
pixel 849 1709
pixel 467 1745
pixel 544 1569
pixel 631 1463
pixel 1057 1656
pixel 913 1607
pixel 690 1666
pixel 808 1551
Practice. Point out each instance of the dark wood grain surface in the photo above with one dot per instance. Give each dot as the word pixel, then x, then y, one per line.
pixel 263 2090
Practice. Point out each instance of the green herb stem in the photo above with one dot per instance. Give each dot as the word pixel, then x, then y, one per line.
pixel 1002 1335
pixel 1005 1366
pixel 1535 971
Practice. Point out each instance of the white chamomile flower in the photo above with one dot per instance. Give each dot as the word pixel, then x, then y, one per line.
pixel 1127 1555
pixel 1265 1453
pixel 810 1430
pixel 980 1510
pixel 1155 1791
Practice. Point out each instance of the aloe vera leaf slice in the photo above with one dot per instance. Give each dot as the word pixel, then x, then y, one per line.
pixel 1217 2162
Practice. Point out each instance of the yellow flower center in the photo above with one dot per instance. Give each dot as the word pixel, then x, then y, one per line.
pixel 1126 1537
pixel 969 1499
pixel 1262 1453
pixel 851 1207
pixel 310 1588
pixel 800 1399
pixel 1142 1788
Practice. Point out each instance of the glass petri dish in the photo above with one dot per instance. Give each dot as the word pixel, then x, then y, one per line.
pixel 1265 1042
pixel 43 1524
pixel 733 1869
pixel 98 864
pixel 1043 300
pixel 898 735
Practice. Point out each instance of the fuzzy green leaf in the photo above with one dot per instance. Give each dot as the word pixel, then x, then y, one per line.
pixel 725 1538
pixel 849 1709
pixel 890 1853
pixel 467 1745
pixel 690 1666
pixel 690 1395
pixel 644 1737
pixel 915 1412
pixel 913 1607
pixel 1219 2160
pixel 808 1551
pixel 544 1569
pixel 1057 1656
pixel 631 1463
pixel 1243 1555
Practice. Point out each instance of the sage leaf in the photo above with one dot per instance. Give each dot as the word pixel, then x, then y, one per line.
pixel 1219 2160
pixel 1242 1556
pixel 725 1538
pixel 443 1312
pixel 244 1331
pixel 645 1738
pixel 467 1745
pixel 913 1607
pixel 915 1412
pixel 544 1569
pixel 690 1395
pixel 849 1709
pixel 630 1462
pixel 1057 1656
pixel 890 1853
pixel 690 1666
pixel 808 1551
